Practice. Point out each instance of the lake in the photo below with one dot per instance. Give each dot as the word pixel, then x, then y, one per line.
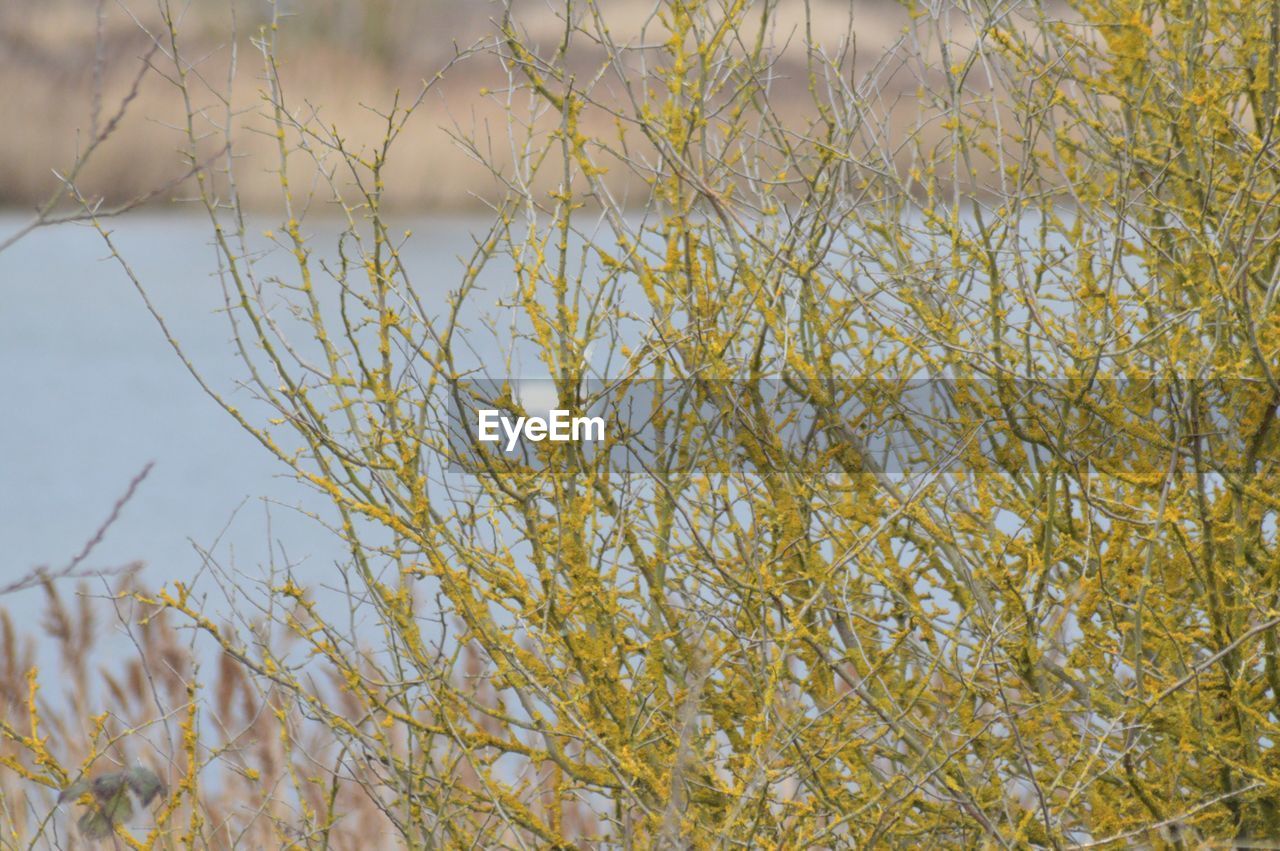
pixel 93 393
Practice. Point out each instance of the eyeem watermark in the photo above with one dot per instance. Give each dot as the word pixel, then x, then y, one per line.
pixel 902 427
pixel 559 426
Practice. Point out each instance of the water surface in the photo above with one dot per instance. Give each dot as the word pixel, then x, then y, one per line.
pixel 92 393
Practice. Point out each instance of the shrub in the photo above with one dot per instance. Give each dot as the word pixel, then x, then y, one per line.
pixel 1041 612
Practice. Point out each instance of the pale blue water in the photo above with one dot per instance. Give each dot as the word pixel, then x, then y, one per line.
pixel 90 392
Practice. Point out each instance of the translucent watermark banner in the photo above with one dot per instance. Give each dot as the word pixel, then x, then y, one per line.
pixel 904 427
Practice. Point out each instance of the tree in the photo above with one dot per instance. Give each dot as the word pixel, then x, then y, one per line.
pixel 1041 612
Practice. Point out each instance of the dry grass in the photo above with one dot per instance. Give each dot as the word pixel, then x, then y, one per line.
pixel 242 763
pixel 125 681
pixel 347 60
pixel 129 688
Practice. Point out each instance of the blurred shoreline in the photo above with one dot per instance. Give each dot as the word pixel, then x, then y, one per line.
pixel 70 64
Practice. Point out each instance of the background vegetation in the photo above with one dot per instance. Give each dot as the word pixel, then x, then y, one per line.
pixel 61 57
pixel 1058 632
